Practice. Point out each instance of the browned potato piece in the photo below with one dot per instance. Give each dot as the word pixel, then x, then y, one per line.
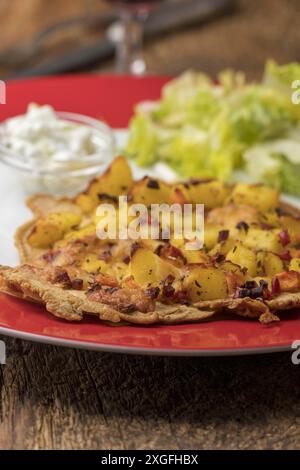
pixel 116 180
pixel 243 257
pixel 148 269
pixel 269 263
pixel 47 230
pixel 267 240
pixel 292 225
pixel 257 195
pixel 209 193
pixel 150 191
pixel 205 283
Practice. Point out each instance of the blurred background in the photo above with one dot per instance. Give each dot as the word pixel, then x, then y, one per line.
pixel 41 36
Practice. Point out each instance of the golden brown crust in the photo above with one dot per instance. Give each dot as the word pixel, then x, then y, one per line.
pixel 27 282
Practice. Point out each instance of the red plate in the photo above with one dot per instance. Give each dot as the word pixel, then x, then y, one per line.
pixel 112 98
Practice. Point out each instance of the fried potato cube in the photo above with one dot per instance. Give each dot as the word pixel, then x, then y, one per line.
pixel 205 283
pixel 210 193
pixel 85 203
pixel 211 234
pixel 257 195
pixel 51 228
pixel 267 240
pixel 295 265
pixel 269 263
pixel 115 181
pixel 292 225
pixel 150 191
pixel 244 257
pixel 194 256
pixel 148 269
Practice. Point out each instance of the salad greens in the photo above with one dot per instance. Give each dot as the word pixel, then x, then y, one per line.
pixel 203 129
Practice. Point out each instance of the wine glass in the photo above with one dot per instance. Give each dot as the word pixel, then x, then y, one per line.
pixel 127 35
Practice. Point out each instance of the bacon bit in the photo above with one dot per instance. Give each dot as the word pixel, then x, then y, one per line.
pixel 77 284
pixel 106 280
pixel 242 225
pixel 170 251
pixel 169 279
pixel 152 292
pixel 130 282
pixel 51 255
pixel 223 236
pixel 289 281
pixel 181 297
pixel 64 279
pixel 285 256
pixel 275 286
pixel 168 291
pixel 134 247
pixel 284 237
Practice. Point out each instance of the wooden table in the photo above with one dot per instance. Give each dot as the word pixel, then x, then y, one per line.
pixel 56 398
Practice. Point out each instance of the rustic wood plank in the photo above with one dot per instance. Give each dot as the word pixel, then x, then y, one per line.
pixel 56 398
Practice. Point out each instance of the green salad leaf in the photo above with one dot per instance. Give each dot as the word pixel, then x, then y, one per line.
pixel 201 128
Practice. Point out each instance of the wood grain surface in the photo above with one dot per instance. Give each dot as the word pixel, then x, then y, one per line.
pixel 56 398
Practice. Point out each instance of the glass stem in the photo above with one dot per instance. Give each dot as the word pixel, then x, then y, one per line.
pixel 129 58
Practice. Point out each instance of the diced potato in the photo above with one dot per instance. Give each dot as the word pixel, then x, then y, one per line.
pixel 259 196
pixel 230 215
pixel 267 240
pixel 228 266
pixel 209 193
pixel 295 265
pixel 244 257
pixel 148 269
pixel 85 202
pixel 115 181
pixel 194 256
pixel 269 263
pixel 292 225
pixel 87 231
pixel 47 230
pixel 150 191
pixel 205 283
pixel 270 218
pixel 211 233
pixel 223 248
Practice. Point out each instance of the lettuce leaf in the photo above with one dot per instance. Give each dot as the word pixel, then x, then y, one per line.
pixel 203 129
